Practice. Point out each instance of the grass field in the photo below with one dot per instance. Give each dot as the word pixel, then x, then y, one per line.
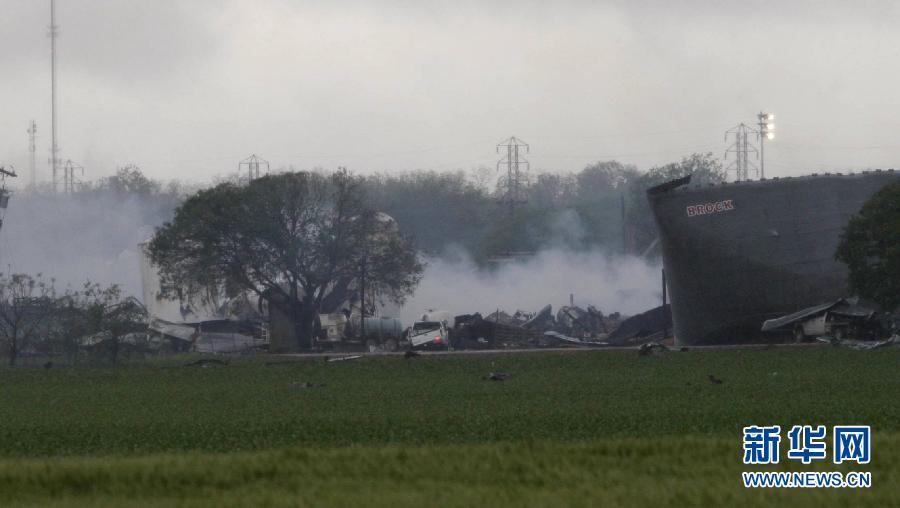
pixel 565 428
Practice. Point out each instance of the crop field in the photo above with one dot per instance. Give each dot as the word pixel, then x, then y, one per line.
pixel 582 428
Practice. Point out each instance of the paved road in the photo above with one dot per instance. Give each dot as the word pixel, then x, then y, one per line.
pixel 465 352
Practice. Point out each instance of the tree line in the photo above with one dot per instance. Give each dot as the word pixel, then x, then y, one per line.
pixel 602 206
pixel 38 320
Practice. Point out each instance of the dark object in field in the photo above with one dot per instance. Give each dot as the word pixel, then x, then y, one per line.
pixel 48 365
pixel 651 348
pixel 495 376
pixel 343 358
pixel 410 354
pixel 206 362
pixel 684 349
pixel 714 380
pixel 305 384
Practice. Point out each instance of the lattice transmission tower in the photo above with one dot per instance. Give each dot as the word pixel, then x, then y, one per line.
pixel 742 149
pixel 514 160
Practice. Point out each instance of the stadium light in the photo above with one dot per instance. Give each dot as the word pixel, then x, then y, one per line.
pixel 766 132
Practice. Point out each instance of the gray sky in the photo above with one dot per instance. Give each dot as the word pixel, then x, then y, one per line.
pixel 185 89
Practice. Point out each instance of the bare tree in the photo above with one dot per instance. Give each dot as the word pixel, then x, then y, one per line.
pixel 26 307
pixel 108 315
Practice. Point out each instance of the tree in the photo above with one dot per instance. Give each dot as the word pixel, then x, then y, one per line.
pixel 437 209
pixel 870 246
pixel 297 240
pixel 704 169
pixel 26 306
pixel 130 180
pixel 108 315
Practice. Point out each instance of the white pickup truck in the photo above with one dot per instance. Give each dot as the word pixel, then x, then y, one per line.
pixel 429 334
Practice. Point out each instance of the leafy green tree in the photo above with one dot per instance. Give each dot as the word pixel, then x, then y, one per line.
pixel 297 240
pixel 870 246
pixel 704 168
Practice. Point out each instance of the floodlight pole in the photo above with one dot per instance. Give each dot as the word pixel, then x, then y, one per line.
pixel 766 129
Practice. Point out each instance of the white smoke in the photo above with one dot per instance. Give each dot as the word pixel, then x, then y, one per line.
pixel 75 238
pixel 611 283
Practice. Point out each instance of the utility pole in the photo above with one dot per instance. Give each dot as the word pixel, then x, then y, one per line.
pixel 766 132
pixel 742 149
pixel 665 302
pixel 4 193
pixel 54 147
pixel 512 160
pixel 362 300
pixel 69 170
pixel 253 164
pixel 624 225
pixel 32 132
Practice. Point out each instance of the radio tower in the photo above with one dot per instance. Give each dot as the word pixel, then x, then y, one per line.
pixel 32 132
pixel 742 150
pixel 54 147
pixel 512 160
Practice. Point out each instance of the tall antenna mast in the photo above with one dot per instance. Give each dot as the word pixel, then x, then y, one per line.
pixel 32 132
pixel 54 147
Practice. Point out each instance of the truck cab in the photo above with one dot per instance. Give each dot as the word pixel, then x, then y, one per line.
pixel 429 335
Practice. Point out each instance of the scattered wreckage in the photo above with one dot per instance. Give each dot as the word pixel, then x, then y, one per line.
pixel 843 322
pixel 571 326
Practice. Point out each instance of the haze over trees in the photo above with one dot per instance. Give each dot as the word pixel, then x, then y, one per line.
pixel 603 206
pixel 95 231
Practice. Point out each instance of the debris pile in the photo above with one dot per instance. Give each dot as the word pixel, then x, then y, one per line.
pixel 652 326
pixel 570 326
pixel 844 322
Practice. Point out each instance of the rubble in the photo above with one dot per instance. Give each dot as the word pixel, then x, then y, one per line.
pixel 651 326
pixel 211 336
pixel 861 345
pixel 574 340
pixel 342 358
pixel 841 319
pixel 570 326
pixel 651 348
pixel 542 321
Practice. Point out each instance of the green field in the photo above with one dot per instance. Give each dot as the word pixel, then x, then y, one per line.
pixel 582 428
